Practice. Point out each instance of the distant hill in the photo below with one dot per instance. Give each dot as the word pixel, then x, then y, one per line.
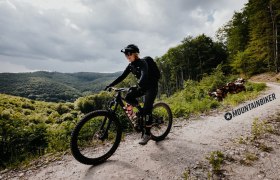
pixel 54 86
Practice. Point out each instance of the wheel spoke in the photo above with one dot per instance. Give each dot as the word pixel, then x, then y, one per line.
pixel 95 137
pixel 162 118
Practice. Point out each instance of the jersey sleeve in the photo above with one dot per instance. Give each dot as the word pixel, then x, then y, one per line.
pixel 143 80
pixel 121 77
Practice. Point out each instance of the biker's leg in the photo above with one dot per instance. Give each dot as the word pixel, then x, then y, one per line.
pixel 149 98
pixel 132 95
pixel 131 99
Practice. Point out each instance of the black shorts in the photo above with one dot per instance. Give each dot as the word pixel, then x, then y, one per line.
pixel 149 98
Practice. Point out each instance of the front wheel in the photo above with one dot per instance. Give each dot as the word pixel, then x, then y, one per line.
pixel 162 121
pixel 95 138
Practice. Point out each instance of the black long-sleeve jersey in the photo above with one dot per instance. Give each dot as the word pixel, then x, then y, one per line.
pixel 140 70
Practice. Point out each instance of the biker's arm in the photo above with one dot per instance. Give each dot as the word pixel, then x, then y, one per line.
pixel 121 77
pixel 143 80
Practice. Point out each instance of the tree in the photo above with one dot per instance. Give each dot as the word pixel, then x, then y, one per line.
pixel 252 35
pixel 189 61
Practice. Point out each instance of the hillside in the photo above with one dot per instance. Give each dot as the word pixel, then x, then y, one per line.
pixel 53 86
pixel 29 127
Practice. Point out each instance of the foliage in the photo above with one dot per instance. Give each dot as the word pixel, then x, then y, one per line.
pixel 252 37
pixel 92 102
pixel 194 98
pixel 30 128
pixel 190 60
pixel 249 158
pixel 259 128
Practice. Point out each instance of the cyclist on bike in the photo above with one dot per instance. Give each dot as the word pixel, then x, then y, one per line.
pixel 147 73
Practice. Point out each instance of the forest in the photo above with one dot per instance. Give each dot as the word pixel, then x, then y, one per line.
pixel 54 86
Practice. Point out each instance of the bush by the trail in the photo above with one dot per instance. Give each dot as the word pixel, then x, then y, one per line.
pixel 31 128
pixel 92 102
pixel 194 99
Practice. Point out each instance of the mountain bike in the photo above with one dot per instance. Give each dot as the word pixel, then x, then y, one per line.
pixel 98 134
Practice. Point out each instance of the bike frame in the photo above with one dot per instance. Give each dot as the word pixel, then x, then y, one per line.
pixel 117 101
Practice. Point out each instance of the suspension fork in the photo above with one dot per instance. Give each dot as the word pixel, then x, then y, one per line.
pixel 104 132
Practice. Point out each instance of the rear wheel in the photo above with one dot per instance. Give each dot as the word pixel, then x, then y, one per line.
pixel 162 121
pixel 95 138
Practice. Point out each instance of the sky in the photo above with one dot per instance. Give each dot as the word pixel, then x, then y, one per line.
pixel 87 35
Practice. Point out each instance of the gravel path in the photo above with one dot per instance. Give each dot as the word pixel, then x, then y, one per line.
pixel 188 143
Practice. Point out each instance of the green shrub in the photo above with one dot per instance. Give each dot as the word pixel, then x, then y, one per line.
pixel 249 158
pixel 28 106
pixel 259 128
pixel 194 97
pixel 62 108
pixel 6 114
pixel 67 117
pixel 18 141
pixel 59 136
pixel 216 159
pixel 27 112
pixel 27 132
pixel 92 102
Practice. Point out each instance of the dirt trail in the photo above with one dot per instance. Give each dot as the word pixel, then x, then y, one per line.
pixel 184 147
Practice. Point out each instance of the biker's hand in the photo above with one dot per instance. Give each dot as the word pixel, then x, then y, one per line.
pixel 107 88
pixel 133 88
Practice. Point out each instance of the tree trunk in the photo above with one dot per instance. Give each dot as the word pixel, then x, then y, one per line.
pixel 182 78
pixel 274 37
pixel 276 47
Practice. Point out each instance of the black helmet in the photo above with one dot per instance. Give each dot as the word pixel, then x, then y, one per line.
pixel 132 48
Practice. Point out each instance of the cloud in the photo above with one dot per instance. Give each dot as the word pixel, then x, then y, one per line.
pixel 87 35
pixel 13 68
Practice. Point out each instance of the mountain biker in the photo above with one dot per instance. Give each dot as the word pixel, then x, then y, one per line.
pixel 148 76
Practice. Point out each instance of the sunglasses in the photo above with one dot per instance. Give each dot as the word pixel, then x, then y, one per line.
pixel 128 53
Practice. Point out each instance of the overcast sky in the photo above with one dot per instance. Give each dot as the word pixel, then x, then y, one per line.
pixel 87 35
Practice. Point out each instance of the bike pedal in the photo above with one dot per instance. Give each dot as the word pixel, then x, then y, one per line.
pixel 160 120
pixel 102 136
pixel 137 129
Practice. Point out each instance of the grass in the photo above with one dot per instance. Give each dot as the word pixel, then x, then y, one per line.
pixel 259 128
pixel 263 147
pixel 195 100
pixel 249 159
pixel 241 140
pixel 216 159
pixel 186 174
